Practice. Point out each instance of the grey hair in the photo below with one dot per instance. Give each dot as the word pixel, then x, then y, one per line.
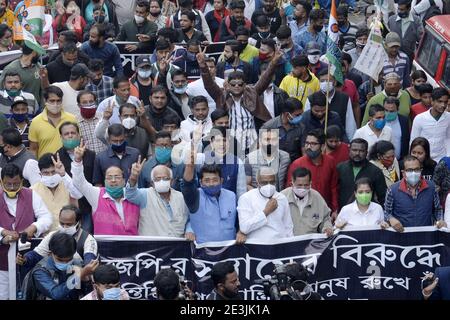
pixel 265 171
pixel 392 75
pixel 159 166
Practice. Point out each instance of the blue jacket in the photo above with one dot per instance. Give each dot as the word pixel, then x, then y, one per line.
pixel 210 218
pixel 442 290
pixel 418 212
pixel 54 287
pixel 110 55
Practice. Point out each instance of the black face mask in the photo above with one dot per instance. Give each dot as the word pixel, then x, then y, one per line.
pixel 417 87
pixel 230 59
pixel 264 34
pixel 341 24
pixel 155 14
pixel 242 46
pixel 35 59
pixel 403 14
pixel 269 149
pixel 318 28
pixel 99 19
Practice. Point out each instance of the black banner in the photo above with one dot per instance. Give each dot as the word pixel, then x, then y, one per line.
pixel 367 264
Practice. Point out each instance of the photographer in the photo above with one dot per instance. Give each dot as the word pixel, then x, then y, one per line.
pixel 434 288
pixel 298 276
pixel 226 282
pixel 169 286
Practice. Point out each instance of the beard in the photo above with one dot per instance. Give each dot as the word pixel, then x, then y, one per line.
pixel 94 44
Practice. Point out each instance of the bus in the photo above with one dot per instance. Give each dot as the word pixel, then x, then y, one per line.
pixel 433 54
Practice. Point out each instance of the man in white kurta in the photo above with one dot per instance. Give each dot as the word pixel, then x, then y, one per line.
pixel 264 212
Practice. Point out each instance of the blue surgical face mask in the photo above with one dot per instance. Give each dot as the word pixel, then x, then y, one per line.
pixel 180 90
pixel 20 117
pixel 111 294
pixel 296 120
pixel 62 266
pixel 379 123
pixel 212 190
pixel 163 154
pixel 119 148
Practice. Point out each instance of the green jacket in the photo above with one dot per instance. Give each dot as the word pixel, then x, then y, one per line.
pixel 405 104
pixel 130 30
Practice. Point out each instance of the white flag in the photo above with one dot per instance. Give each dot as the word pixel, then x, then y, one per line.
pixel 372 57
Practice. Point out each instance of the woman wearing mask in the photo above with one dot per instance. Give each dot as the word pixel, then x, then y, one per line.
pixel 382 154
pixel 362 211
pixel 420 148
pixel 155 14
pixel 418 77
pixel 214 17
pixel 69 17
pixel 6 43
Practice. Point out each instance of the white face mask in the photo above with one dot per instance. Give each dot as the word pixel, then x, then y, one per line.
pixel 51 181
pixel 313 58
pixel 300 192
pixel 326 86
pixel 162 186
pixel 268 190
pixel 70 230
pixel 129 123
pixel 139 19
pixel 144 74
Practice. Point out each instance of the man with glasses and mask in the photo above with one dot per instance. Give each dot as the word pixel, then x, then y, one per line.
pixel 107 285
pixel 413 201
pixel 44 129
pixel 324 176
pixel 241 100
pixel 55 187
pixel 264 212
pixel 69 223
pixel 358 167
pixel 21 210
pixel 112 213
pixel 309 211
pixel 118 154
pixel 212 208
pixel 163 211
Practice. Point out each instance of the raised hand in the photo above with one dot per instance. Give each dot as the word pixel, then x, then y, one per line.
pixel 140 111
pixel 43 73
pixel 59 166
pixel 136 168
pixel 201 55
pixel 79 152
pixel 107 114
pixel 164 63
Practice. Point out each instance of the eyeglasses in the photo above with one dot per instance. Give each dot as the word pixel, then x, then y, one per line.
pixel 113 178
pixel 11 186
pixel 417 170
pixel 312 144
pixel 237 84
pixel 161 179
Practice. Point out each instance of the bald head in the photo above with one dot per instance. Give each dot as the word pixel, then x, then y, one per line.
pixel 161 172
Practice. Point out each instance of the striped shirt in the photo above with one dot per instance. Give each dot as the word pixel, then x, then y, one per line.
pixel 23 132
pixel 349 34
pixel 87 129
pixel 103 90
pixel 400 67
pixel 6 101
pixel 242 125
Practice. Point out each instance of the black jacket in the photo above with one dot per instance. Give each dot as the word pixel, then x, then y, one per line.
pixel 347 180
pixel 310 122
pixel 404 126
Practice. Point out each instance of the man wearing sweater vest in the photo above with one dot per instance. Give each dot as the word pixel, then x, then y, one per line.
pixel 163 211
pixel 21 211
pixel 112 213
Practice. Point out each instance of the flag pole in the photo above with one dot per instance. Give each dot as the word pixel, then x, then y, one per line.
pixel 326 103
